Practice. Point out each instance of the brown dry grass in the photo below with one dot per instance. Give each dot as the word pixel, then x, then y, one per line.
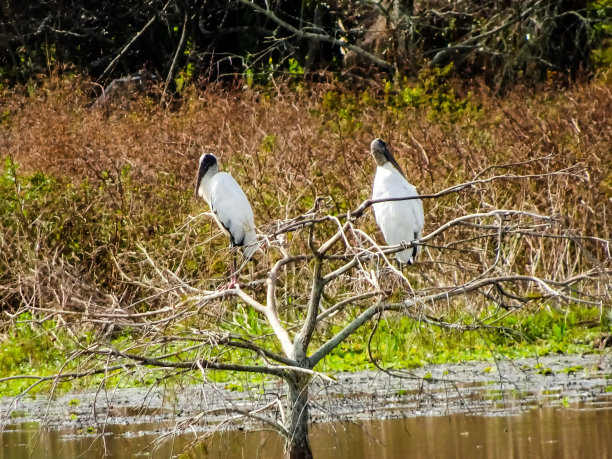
pixel 288 146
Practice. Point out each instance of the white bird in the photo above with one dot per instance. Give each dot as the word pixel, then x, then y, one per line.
pixel 230 206
pixel 401 222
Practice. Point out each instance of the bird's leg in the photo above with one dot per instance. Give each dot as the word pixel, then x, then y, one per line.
pixel 398 265
pixel 233 275
pixel 401 267
pixel 415 247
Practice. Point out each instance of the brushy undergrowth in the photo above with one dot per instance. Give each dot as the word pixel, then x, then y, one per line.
pixel 88 196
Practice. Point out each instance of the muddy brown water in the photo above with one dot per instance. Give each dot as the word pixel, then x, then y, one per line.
pixel 577 431
pixel 522 412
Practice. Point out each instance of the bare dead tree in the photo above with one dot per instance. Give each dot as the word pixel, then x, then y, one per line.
pixel 322 269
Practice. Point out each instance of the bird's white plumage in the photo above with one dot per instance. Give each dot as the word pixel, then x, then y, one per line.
pixel 231 208
pixel 399 221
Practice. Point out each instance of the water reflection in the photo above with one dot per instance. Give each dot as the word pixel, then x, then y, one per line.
pixel 542 432
pixel 546 432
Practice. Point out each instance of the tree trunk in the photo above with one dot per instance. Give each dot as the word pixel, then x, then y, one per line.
pixel 314 45
pixel 297 445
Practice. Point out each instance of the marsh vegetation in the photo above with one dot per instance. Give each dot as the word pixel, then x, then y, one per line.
pixel 112 273
pixel 110 267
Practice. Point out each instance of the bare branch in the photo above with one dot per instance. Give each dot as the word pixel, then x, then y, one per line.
pixel 207 364
pixel 125 49
pixel 179 48
pixel 472 42
pixel 322 37
pixel 379 307
pixel 456 188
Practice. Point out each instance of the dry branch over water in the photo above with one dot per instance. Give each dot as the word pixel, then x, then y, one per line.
pixel 105 250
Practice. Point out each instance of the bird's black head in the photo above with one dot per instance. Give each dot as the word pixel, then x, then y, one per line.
pixel 208 164
pixel 379 150
pixel 382 155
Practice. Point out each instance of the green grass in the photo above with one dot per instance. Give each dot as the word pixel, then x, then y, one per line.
pixel 33 347
pixel 401 342
pixel 42 348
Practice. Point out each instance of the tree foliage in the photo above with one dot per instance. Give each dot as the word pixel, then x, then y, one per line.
pixel 502 40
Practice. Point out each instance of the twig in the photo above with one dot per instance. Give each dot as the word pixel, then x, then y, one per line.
pixel 317 36
pixel 179 48
pixel 124 50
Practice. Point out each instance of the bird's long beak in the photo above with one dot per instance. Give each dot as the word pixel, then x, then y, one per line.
pixel 394 162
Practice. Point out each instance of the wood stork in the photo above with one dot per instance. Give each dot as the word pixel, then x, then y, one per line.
pixel 400 221
pixel 230 206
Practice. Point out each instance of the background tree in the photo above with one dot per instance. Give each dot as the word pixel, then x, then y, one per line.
pixel 185 39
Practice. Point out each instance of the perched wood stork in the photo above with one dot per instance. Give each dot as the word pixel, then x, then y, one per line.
pixel 230 206
pixel 400 221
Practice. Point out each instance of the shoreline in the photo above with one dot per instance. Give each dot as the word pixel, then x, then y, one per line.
pixel 504 387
